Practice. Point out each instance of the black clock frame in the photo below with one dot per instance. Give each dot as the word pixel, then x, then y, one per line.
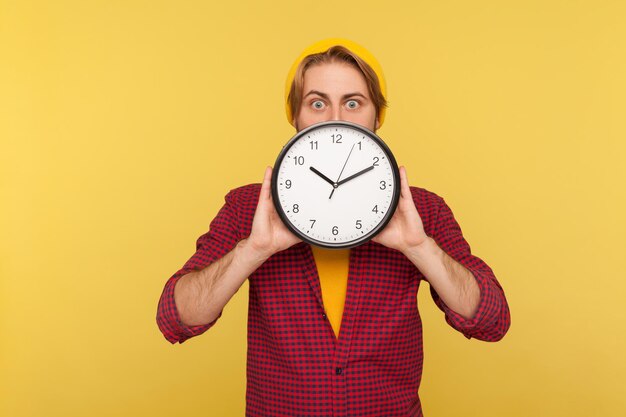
pixel 394 199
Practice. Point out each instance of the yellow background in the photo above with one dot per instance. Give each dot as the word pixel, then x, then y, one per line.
pixel 124 123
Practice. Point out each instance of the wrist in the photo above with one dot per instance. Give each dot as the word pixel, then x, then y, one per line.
pixel 422 252
pixel 252 253
pixel 429 258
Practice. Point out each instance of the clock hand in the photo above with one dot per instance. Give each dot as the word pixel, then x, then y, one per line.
pixel 345 163
pixel 361 172
pixel 344 167
pixel 324 177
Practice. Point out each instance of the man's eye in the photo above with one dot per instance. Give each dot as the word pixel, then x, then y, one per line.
pixel 318 104
pixel 353 104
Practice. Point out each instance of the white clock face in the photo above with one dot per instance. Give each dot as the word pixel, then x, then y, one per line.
pixel 336 184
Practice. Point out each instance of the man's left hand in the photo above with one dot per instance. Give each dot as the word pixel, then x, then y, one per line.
pixel 405 229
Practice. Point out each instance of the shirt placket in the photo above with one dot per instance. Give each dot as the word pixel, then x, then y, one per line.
pixel 340 363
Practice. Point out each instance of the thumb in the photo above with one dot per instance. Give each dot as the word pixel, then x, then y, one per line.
pixel 266 193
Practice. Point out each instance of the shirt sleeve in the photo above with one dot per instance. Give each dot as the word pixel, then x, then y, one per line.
pixel 492 319
pixel 218 241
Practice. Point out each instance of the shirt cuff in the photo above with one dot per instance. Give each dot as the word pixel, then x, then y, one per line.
pixel 486 315
pixel 169 320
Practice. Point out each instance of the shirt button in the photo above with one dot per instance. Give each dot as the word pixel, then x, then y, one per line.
pixel 323 315
pixel 338 371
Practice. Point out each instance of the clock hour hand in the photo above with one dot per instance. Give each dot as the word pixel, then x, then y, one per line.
pixel 324 177
pixel 361 172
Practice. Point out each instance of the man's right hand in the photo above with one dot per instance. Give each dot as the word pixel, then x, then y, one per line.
pixel 200 296
pixel 269 234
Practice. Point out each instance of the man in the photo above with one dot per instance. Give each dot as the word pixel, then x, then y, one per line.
pixel 334 333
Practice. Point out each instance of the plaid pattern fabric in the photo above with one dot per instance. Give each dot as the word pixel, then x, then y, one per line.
pixel 295 364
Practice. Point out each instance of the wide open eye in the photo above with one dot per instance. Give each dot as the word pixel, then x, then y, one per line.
pixel 318 104
pixel 352 104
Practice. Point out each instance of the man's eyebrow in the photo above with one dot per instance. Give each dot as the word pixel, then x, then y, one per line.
pixel 324 95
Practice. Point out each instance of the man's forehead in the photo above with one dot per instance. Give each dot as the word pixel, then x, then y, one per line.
pixel 334 79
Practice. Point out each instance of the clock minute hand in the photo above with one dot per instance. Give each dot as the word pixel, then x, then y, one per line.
pixel 324 177
pixel 361 172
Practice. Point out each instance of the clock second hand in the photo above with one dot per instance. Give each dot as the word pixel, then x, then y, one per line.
pixel 344 166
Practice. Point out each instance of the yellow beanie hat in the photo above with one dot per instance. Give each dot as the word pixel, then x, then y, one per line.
pixel 322 46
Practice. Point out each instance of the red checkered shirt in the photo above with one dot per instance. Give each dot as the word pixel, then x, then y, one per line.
pixel 295 364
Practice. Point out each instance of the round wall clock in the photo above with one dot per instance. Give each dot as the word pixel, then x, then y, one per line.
pixel 335 184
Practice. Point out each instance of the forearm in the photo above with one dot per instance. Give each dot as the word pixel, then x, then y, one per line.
pixel 455 285
pixel 201 295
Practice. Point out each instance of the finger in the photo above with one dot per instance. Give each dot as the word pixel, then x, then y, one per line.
pixel 405 191
pixel 265 188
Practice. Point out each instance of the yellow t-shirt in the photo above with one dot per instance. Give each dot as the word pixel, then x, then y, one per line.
pixel 332 267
